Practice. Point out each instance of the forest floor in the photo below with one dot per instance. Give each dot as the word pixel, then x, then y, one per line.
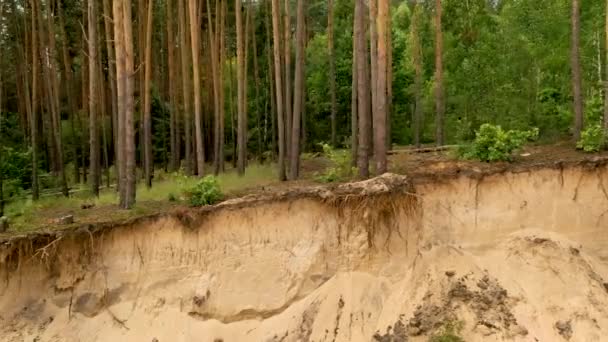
pixel 422 165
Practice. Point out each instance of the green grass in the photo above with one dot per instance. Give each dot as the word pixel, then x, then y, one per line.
pixel 168 188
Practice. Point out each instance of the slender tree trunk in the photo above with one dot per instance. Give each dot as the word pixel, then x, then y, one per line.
pixel 174 164
pixel 606 82
pixel 241 89
pixel 222 101
pixel 148 158
pixel 373 55
pixel 576 70
pixel 298 97
pixel 271 80
pixel 287 64
pixel 34 118
pixel 354 119
pixel 186 88
pixel 214 52
pixel 93 97
pixel 418 81
pixel 278 87
pixel 195 39
pixel 363 91
pixel 107 22
pixel 389 80
pixel 129 109
pixel 380 114
pixel 256 76
pixel 121 92
pixel 332 71
pixel 439 88
pixel 69 89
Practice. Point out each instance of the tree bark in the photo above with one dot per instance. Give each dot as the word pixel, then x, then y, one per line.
pixel 332 72
pixel 33 118
pixel 69 89
pixel 354 123
pixel 278 87
pixel 195 40
pixel 363 91
pixel 380 114
pixel 94 163
pixel 287 65
pixel 256 76
pixel 129 109
pixel 298 90
pixel 241 89
pixel 186 89
pixel 418 81
pixel 148 158
pixel 439 88
pixel 576 70
pixel 373 55
pixel 214 52
pixel 173 121
pixel 606 81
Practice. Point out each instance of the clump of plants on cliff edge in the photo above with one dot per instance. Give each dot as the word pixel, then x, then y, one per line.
pixel 492 143
pixel 205 192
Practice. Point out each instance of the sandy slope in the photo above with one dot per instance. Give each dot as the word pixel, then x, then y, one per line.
pixel 514 257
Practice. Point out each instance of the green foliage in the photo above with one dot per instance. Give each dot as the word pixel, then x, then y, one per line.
pixel 592 139
pixel 450 332
pixel 492 143
pixel 205 192
pixel 342 165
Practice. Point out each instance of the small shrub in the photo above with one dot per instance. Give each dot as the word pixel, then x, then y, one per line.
pixel 342 165
pixel 205 192
pixel 172 197
pixel 492 143
pixel 450 332
pixel 592 139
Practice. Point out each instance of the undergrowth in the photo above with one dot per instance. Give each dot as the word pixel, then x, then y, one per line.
pixel 342 168
pixel 592 139
pixel 492 143
pixel 205 192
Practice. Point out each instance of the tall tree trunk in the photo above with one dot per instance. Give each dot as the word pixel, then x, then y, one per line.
pixel 148 158
pixel 186 88
pixel 69 89
pixel 222 100
pixel 34 118
pixel 173 121
pixel 389 80
pixel 241 89
pixel 48 56
pixel 606 82
pixel 380 114
pixel 93 97
pixel 576 70
pixel 195 39
pixel 256 76
pixel 121 93
pixel 439 88
pixel 332 71
pixel 129 109
pixel 363 91
pixel 373 62
pixel 298 97
pixel 287 64
pixel 278 86
pixel 271 80
pixel 354 123
pixel 418 81
pixel 214 52
pixel 108 30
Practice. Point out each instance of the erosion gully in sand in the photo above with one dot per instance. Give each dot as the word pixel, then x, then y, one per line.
pixel 518 255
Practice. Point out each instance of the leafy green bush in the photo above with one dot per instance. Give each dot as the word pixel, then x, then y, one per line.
pixel 205 192
pixel 492 143
pixel 450 332
pixel 592 139
pixel 342 165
